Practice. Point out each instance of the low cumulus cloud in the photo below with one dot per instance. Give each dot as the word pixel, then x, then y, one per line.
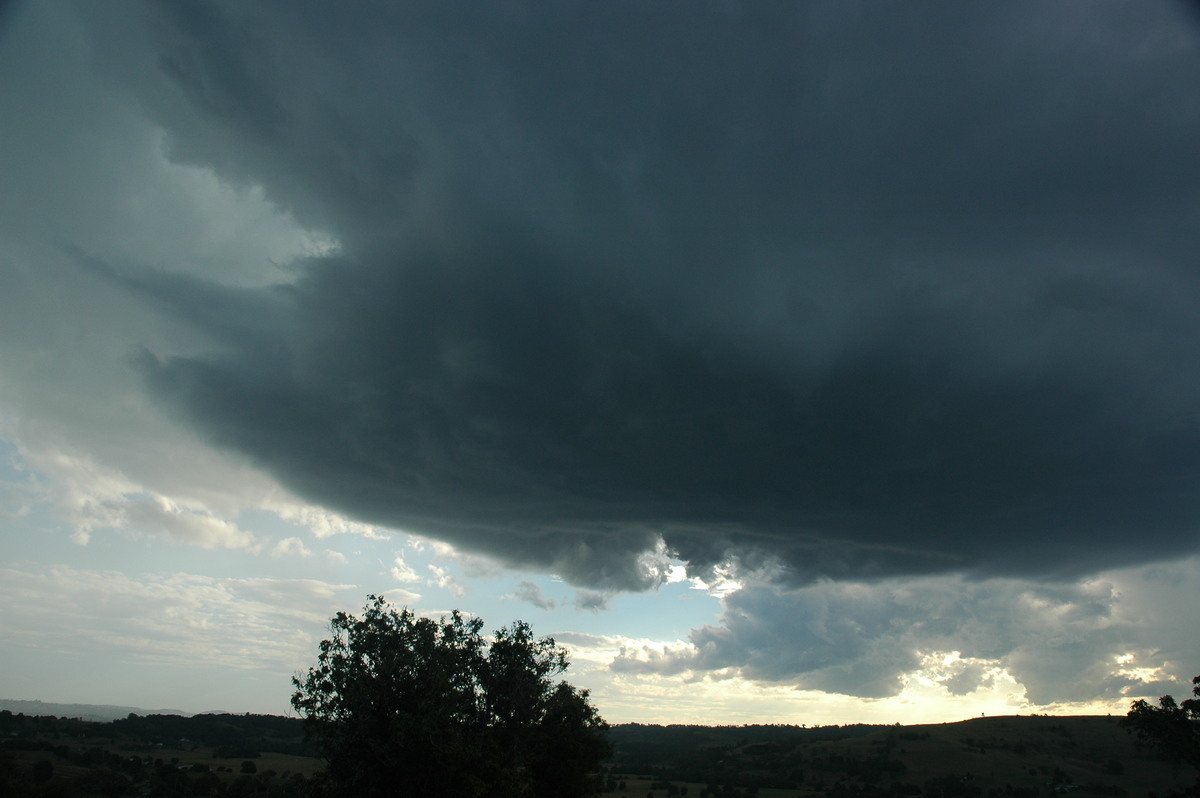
pixel 293 547
pixel 530 593
pixel 402 571
pixel 586 600
pixel 591 600
pixel 813 289
pixel 1107 637
pixel 442 578
pixel 197 529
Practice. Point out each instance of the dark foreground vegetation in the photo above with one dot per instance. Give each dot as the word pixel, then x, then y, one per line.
pixel 237 755
pixel 409 706
pixel 155 755
pixel 1001 757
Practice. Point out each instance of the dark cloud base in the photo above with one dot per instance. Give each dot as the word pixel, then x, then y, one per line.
pixel 554 424
pixel 815 286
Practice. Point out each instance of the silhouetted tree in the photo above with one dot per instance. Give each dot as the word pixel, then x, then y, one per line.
pixel 1174 728
pixel 402 705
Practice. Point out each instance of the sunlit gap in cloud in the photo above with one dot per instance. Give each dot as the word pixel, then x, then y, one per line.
pixel 721 581
pixel 1127 665
pixel 945 688
pixel 934 649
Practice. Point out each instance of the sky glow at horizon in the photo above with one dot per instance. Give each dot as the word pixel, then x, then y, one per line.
pixel 814 363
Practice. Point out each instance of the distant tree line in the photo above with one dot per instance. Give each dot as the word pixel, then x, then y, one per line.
pixel 244 734
pixel 239 735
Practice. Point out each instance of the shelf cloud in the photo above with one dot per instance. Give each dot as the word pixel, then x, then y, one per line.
pixel 814 285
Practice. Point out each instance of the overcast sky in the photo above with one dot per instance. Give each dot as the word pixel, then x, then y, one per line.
pixel 790 362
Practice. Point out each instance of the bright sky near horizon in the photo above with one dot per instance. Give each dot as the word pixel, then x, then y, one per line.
pixel 817 362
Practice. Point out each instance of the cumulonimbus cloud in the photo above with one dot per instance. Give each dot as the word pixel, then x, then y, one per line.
pixel 810 286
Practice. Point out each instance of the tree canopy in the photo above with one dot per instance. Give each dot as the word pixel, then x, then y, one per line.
pixel 405 705
pixel 1173 727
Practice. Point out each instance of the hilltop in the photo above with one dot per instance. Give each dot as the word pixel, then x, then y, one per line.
pixel 99 713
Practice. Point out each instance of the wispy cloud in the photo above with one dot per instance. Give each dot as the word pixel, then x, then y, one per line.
pixel 162 517
pixel 172 620
pixel 532 594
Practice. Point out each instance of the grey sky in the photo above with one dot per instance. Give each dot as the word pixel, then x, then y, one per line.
pixel 820 294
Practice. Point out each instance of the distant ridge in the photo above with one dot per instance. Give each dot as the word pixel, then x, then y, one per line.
pixel 94 712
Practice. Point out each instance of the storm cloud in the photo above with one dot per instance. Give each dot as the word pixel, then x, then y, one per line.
pixel 829 290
